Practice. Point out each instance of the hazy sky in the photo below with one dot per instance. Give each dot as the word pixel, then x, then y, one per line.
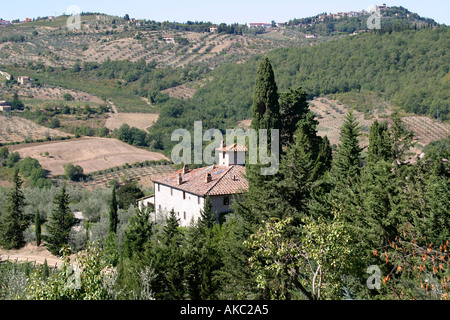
pixel 216 11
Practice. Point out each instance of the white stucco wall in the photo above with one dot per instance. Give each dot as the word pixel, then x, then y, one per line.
pixel 188 208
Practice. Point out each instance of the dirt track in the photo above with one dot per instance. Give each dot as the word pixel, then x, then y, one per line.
pixel 33 253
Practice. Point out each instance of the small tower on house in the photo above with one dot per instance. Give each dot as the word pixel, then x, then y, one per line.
pixel 233 154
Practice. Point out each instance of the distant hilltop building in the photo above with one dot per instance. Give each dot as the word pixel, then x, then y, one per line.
pixel 310 36
pixel 4 22
pixel 6 75
pixel 185 191
pixel 5 106
pixel 23 80
pixel 169 39
pixel 259 25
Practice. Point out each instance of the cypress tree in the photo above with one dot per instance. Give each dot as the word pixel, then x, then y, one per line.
pixel 13 221
pixel 37 228
pixel 46 270
pixel 265 107
pixel 60 223
pixel 265 116
pixel 113 216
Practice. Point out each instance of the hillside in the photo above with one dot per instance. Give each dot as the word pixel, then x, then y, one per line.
pixel 102 38
pixel 48 42
pixel 407 69
pixel 182 72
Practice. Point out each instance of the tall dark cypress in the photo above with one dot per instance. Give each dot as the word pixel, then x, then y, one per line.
pixel 265 107
pixel 37 228
pixel 265 115
pixel 13 222
pixel 113 216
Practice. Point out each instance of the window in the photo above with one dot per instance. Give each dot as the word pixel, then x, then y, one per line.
pixel 159 187
pixel 226 201
pixel 184 195
pixel 171 191
pixel 184 215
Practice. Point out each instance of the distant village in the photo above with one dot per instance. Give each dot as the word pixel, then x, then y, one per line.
pixel 321 17
pixel 8 22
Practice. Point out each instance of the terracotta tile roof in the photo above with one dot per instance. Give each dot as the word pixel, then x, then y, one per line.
pixel 233 147
pixel 224 180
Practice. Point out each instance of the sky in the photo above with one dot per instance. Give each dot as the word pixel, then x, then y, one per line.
pixel 227 11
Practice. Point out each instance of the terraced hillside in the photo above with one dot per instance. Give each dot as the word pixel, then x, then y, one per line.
pixel 105 37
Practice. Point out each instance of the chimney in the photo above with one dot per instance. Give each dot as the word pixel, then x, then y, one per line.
pixel 180 179
pixel 208 178
pixel 222 144
pixel 185 169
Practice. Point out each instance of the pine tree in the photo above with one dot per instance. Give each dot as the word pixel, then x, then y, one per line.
pixel 170 230
pixel 402 139
pixel 37 228
pixel 60 223
pixel 305 162
pixel 207 219
pixel 237 280
pixel 293 107
pixel 138 233
pixel 13 221
pixel 347 163
pixel 341 184
pixel 113 216
pixel 380 142
pixel 168 258
pixel 201 256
